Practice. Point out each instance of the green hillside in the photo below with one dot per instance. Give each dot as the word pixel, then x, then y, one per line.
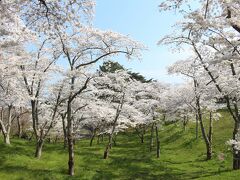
pixel 182 157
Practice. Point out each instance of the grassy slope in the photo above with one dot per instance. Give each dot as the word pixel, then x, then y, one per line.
pixel 182 157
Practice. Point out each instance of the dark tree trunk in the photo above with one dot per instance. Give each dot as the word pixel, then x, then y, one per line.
pixel 34 117
pixel 110 138
pixel 109 146
pixel 106 152
pixel 210 135
pixel 92 138
pixel 19 124
pixel 209 151
pixel 65 140
pixel 39 147
pixel 206 140
pixel 205 137
pixel 158 142
pixel 19 133
pixel 70 140
pixel 56 139
pixel 102 137
pixel 142 138
pixel 151 140
pixel 49 140
pixel 185 122
pixel 40 141
pixel 30 138
pixel 236 153
pixel 98 139
pixel 196 129
pixel 115 140
pixel 197 99
pixel 236 160
pixel 140 133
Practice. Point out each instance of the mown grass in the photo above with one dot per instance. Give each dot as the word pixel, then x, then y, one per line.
pixel 182 157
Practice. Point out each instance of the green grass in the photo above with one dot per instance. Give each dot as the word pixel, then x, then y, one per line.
pixel 182 157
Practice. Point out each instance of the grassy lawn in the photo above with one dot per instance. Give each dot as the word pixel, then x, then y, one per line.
pixel 182 157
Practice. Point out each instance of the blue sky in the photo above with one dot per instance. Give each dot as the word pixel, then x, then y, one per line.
pixel 141 20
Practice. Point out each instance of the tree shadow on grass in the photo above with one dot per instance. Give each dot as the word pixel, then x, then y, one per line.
pixel 189 144
pixel 138 168
pixel 21 171
pixel 174 137
pixel 15 149
pixel 132 161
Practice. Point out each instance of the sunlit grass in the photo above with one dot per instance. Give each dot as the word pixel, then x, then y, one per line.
pixel 182 157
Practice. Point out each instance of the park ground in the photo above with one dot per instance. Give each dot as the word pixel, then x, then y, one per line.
pixel 182 157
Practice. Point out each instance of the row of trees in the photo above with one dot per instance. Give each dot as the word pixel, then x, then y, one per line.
pixel 210 31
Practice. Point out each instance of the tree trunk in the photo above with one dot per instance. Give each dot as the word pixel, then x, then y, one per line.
pixel 158 142
pixel 39 147
pixel 236 160
pixel 35 124
pixel 19 127
pixel 56 139
pixel 140 134
pixel 236 153
pixel 102 137
pixel 70 140
pixel 3 129
pixel 115 140
pixel 6 129
pixel 210 135
pixel 98 139
pixel 9 124
pixel 109 145
pixel 205 137
pixel 65 142
pixel 197 104
pixel 110 138
pixel 106 152
pixel 209 151
pixel 151 140
pixel 196 129
pixel 142 138
pixel 6 138
pixel 6 134
pixel 206 140
pixel 64 132
pixel 34 117
pixel 185 122
pixel 92 138
pixel 30 138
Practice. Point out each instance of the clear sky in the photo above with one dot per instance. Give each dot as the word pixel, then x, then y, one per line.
pixel 141 20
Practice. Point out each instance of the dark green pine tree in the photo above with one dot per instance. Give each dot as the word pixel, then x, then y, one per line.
pixel 111 66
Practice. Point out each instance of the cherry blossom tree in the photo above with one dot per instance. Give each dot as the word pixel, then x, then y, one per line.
pixel 211 30
pixel 11 96
pixel 43 16
pixel 148 101
pixel 114 88
pixel 82 48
